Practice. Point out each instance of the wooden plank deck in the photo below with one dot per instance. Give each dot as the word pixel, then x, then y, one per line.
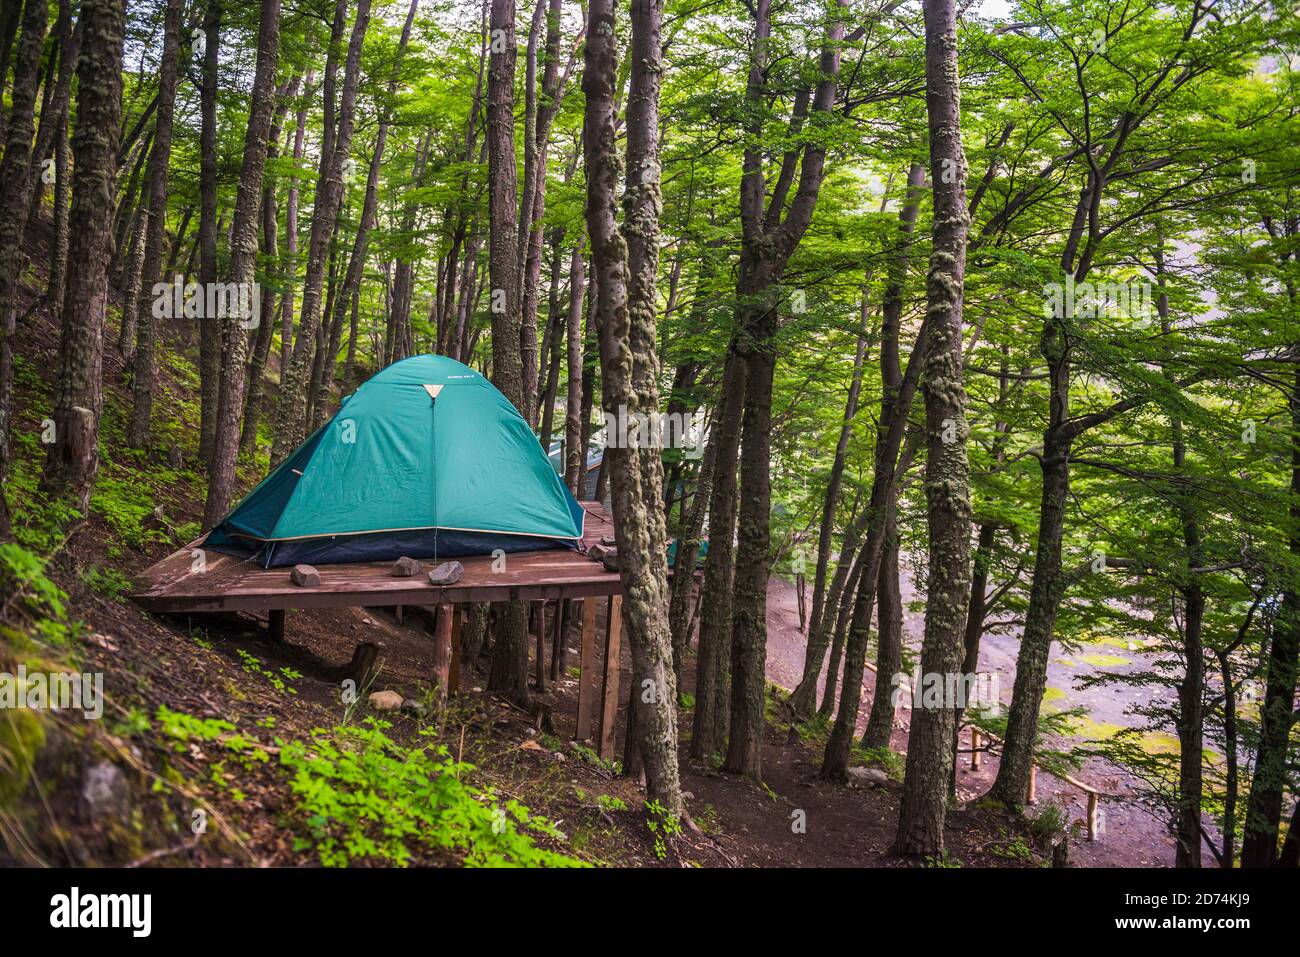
pixel 194 579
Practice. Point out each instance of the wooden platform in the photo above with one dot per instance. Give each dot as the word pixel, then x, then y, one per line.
pixel 195 579
pixel 199 580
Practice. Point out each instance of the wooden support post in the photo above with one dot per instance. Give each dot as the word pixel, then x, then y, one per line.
pixel 609 700
pixel 457 623
pixel 587 673
pixel 401 615
pixel 539 626
pixel 364 665
pixel 442 654
pixel 275 626
pixel 1092 816
pixel 1031 794
pixel 557 638
pixel 974 749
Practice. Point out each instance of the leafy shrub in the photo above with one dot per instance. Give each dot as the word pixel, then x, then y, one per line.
pixel 363 798
pixel 107 581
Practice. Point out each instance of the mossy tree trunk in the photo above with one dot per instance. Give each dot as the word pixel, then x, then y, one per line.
pixel 625 313
pixel 209 332
pixel 712 666
pixel 73 458
pixel 509 674
pixel 947 472
pixel 14 209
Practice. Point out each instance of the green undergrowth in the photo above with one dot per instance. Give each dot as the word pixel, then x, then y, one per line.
pixel 36 632
pixel 360 797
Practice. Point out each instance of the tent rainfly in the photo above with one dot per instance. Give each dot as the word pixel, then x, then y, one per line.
pixel 425 459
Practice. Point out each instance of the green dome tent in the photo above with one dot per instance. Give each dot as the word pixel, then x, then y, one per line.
pixel 425 459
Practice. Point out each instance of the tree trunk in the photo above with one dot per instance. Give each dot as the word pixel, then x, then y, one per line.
pixel 509 675
pixel 291 236
pixel 889 642
pixel 688 546
pixel 555 325
pixel 575 454
pixel 625 314
pixel 1276 719
pixel 143 364
pixel 713 662
pixel 73 457
pixel 804 695
pixel 62 159
pixel 209 332
pixel 895 404
pixel 54 109
pixel 271 251
pixel 539 115
pixel 131 291
pixel 291 404
pixel 947 473
pixel 360 244
pixel 749 604
pixel 768 241
pixel 14 208
pixel 243 263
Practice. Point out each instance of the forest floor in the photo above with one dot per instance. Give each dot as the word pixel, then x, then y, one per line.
pixel 1133 835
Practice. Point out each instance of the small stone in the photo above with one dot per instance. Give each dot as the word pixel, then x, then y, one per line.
pixel 385 700
pixel 104 792
pixel 868 777
pixel 609 540
pixel 448 573
pixel 304 576
pixel 406 567
pixel 606 556
pixel 416 709
pixel 560 757
pixel 102 641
